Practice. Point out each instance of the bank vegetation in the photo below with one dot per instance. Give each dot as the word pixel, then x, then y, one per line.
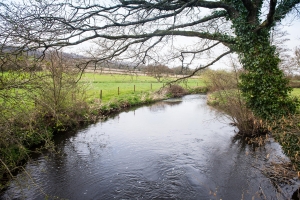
pixel 225 95
pixel 40 98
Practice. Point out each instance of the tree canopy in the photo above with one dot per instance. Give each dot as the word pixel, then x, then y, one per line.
pixel 138 30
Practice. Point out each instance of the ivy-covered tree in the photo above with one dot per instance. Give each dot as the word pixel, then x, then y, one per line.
pixel 139 30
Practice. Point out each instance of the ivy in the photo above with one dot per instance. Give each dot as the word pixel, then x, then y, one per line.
pixel 263 85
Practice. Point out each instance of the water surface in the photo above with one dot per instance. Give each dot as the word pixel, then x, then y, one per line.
pixel 176 149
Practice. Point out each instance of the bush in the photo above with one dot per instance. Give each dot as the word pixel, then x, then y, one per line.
pixel 59 99
pixel 174 91
pixel 228 98
pixel 43 103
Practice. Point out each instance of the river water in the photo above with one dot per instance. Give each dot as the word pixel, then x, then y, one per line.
pixel 175 149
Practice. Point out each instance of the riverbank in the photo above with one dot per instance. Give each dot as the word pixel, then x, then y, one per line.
pixel 41 127
pixel 285 131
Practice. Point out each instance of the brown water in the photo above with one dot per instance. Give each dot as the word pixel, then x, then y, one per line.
pixel 177 149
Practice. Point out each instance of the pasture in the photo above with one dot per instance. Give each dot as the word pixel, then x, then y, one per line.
pixel 121 86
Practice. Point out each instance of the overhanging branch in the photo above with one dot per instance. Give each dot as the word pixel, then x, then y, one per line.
pixel 201 68
pixel 277 12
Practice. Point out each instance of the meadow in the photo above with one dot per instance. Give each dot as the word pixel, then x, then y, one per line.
pixel 121 86
pixel 296 92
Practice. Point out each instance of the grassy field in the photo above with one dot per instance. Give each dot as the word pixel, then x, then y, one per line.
pixel 114 85
pixel 127 84
pixel 296 92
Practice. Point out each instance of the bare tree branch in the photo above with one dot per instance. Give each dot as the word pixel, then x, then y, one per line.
pixel 201 68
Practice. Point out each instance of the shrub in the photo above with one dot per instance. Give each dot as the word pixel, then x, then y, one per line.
pixel 228 98
pixel 175 91
pixel 60 100
pixel 43 103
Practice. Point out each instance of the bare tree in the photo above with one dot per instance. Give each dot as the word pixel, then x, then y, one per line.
pixel 141 31
pixel 297 57
pixel 158 71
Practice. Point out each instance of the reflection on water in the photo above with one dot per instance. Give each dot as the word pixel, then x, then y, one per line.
pixel 296 195
pixel 162 105
pixel 169 150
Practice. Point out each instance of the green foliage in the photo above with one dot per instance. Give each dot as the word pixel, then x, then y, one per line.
pixel 263 85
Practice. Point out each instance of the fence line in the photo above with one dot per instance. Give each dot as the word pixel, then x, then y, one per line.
pixel 134 89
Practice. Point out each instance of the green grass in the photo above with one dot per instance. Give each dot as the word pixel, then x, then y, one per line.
pixel 296 92
pixel 109 85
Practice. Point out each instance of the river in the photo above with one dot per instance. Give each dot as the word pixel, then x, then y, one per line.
pixel 175 149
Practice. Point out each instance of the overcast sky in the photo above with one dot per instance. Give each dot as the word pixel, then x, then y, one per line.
pixel 294 34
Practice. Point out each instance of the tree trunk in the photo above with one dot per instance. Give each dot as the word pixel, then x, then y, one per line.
pixel 264 85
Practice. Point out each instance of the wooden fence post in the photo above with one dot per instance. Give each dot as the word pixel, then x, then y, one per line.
pixel 101 94
pixel 118 90
pixel 133 88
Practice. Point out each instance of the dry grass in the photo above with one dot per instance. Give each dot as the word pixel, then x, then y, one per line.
pixel 228 98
